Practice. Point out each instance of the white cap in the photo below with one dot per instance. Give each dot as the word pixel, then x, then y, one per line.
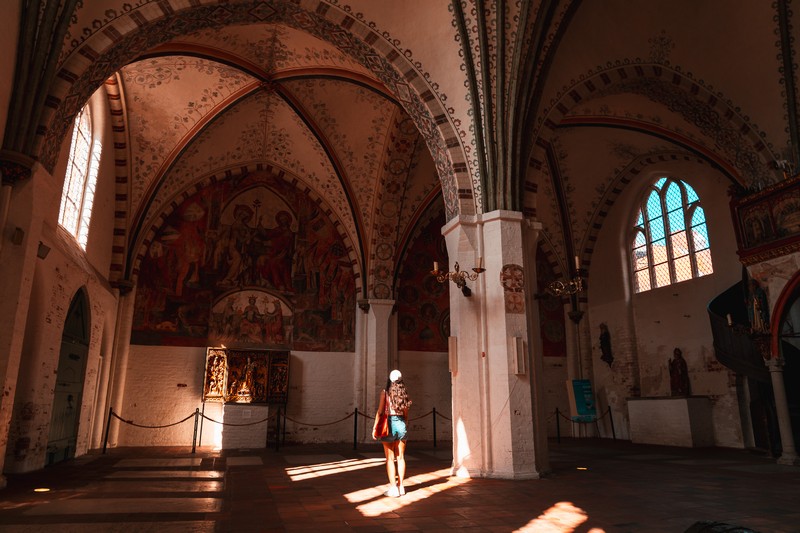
pixel 394 375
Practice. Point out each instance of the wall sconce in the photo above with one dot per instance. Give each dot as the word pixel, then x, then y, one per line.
pixel 17 236
pixel 570 287
pixel 458 276
pixel 43 250
pixel 565 288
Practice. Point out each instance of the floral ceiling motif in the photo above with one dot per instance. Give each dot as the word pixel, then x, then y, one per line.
pixel 275 48
pixel 171 96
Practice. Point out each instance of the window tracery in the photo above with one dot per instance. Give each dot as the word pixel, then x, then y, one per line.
pixel 77 196
pixel 670 237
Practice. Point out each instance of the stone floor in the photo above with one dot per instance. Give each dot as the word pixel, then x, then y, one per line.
pixel 594 486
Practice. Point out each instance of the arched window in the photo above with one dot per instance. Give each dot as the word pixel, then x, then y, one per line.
pixel 77 196
pixel 670 238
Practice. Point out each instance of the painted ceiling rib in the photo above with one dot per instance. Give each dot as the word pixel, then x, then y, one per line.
pixel 485 121
pixel 292 102
pixel 561 199
pixel 461 24
pixel 502 177
pixel 787 56
pixel 531 86
pixel 37 58
pixel 516 160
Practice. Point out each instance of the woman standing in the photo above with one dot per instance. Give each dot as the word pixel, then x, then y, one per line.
pixel 394 444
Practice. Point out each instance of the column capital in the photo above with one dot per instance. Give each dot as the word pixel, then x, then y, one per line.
pixel 775 364
pixel 15 166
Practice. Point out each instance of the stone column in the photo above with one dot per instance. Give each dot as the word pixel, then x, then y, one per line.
pixel 119 360
pixel 789 454
pixel 377 351
pixel 492 403
pixel 23 215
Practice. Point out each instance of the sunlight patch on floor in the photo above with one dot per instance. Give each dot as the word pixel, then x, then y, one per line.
pixel 562 517
pixel 418 488
pixel 301 473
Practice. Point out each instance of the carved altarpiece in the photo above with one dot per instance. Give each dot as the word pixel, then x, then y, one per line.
pixel 246 376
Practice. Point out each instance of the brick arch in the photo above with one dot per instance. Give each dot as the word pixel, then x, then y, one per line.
pixel 747 161
pixel 137 251
pixel 552 258
pixel 123 38
pixel 119 134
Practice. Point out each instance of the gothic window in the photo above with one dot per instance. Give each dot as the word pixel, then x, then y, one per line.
pixel 670 238
pixel 77 196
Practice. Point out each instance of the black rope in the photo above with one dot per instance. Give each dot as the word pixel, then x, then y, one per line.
pixel 232 424
pixel 151 427
pixel 421 416
pixel 319 425
pixel 263 420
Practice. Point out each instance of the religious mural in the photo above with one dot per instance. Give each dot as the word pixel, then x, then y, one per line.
pixel 247 261
pixel 423 304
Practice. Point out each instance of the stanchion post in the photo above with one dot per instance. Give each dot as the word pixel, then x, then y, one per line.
pixel 434 427
pixel 108 426
pixel 202 423
pixel 278 429
pixel 355 428
pixel 196 420
pixel 283 431
pixel 611 419
pixel 558 427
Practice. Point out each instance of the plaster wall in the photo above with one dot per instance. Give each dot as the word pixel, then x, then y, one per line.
pixel 646 327
pixel 427 379
pixel 554 377
pixel 164 385
pixel 57 279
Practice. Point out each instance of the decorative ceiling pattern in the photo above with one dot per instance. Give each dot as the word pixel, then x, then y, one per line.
pixel 171 97
pixel 542 107
pixel 275 49
pixel 124 32
pixel 359 139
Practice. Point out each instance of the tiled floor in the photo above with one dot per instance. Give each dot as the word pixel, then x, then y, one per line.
pixel 593 486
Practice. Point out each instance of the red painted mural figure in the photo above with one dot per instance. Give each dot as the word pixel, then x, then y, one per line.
pixel 275 264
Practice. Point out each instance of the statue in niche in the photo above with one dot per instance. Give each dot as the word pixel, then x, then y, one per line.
pixel 758 308
pixel 605 345
pixel 678 374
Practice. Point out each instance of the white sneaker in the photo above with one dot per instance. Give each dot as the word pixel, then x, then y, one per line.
pixel 392 492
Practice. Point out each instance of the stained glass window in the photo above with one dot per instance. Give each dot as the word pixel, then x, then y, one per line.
pixel 77 196
pixel 670 237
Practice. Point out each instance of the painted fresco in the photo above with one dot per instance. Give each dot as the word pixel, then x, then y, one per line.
pixel 249 261
pixel 551 310
pixel 423 303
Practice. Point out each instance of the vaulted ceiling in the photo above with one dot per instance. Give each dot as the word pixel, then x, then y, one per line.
pixel 371 105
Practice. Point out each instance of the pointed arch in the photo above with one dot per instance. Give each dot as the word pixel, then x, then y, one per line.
pixel 137 30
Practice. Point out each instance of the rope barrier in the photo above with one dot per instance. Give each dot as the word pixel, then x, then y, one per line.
pixel 441 415
pixel 318 425
pixel 232 424
pixel 421 416
pixel 132 423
